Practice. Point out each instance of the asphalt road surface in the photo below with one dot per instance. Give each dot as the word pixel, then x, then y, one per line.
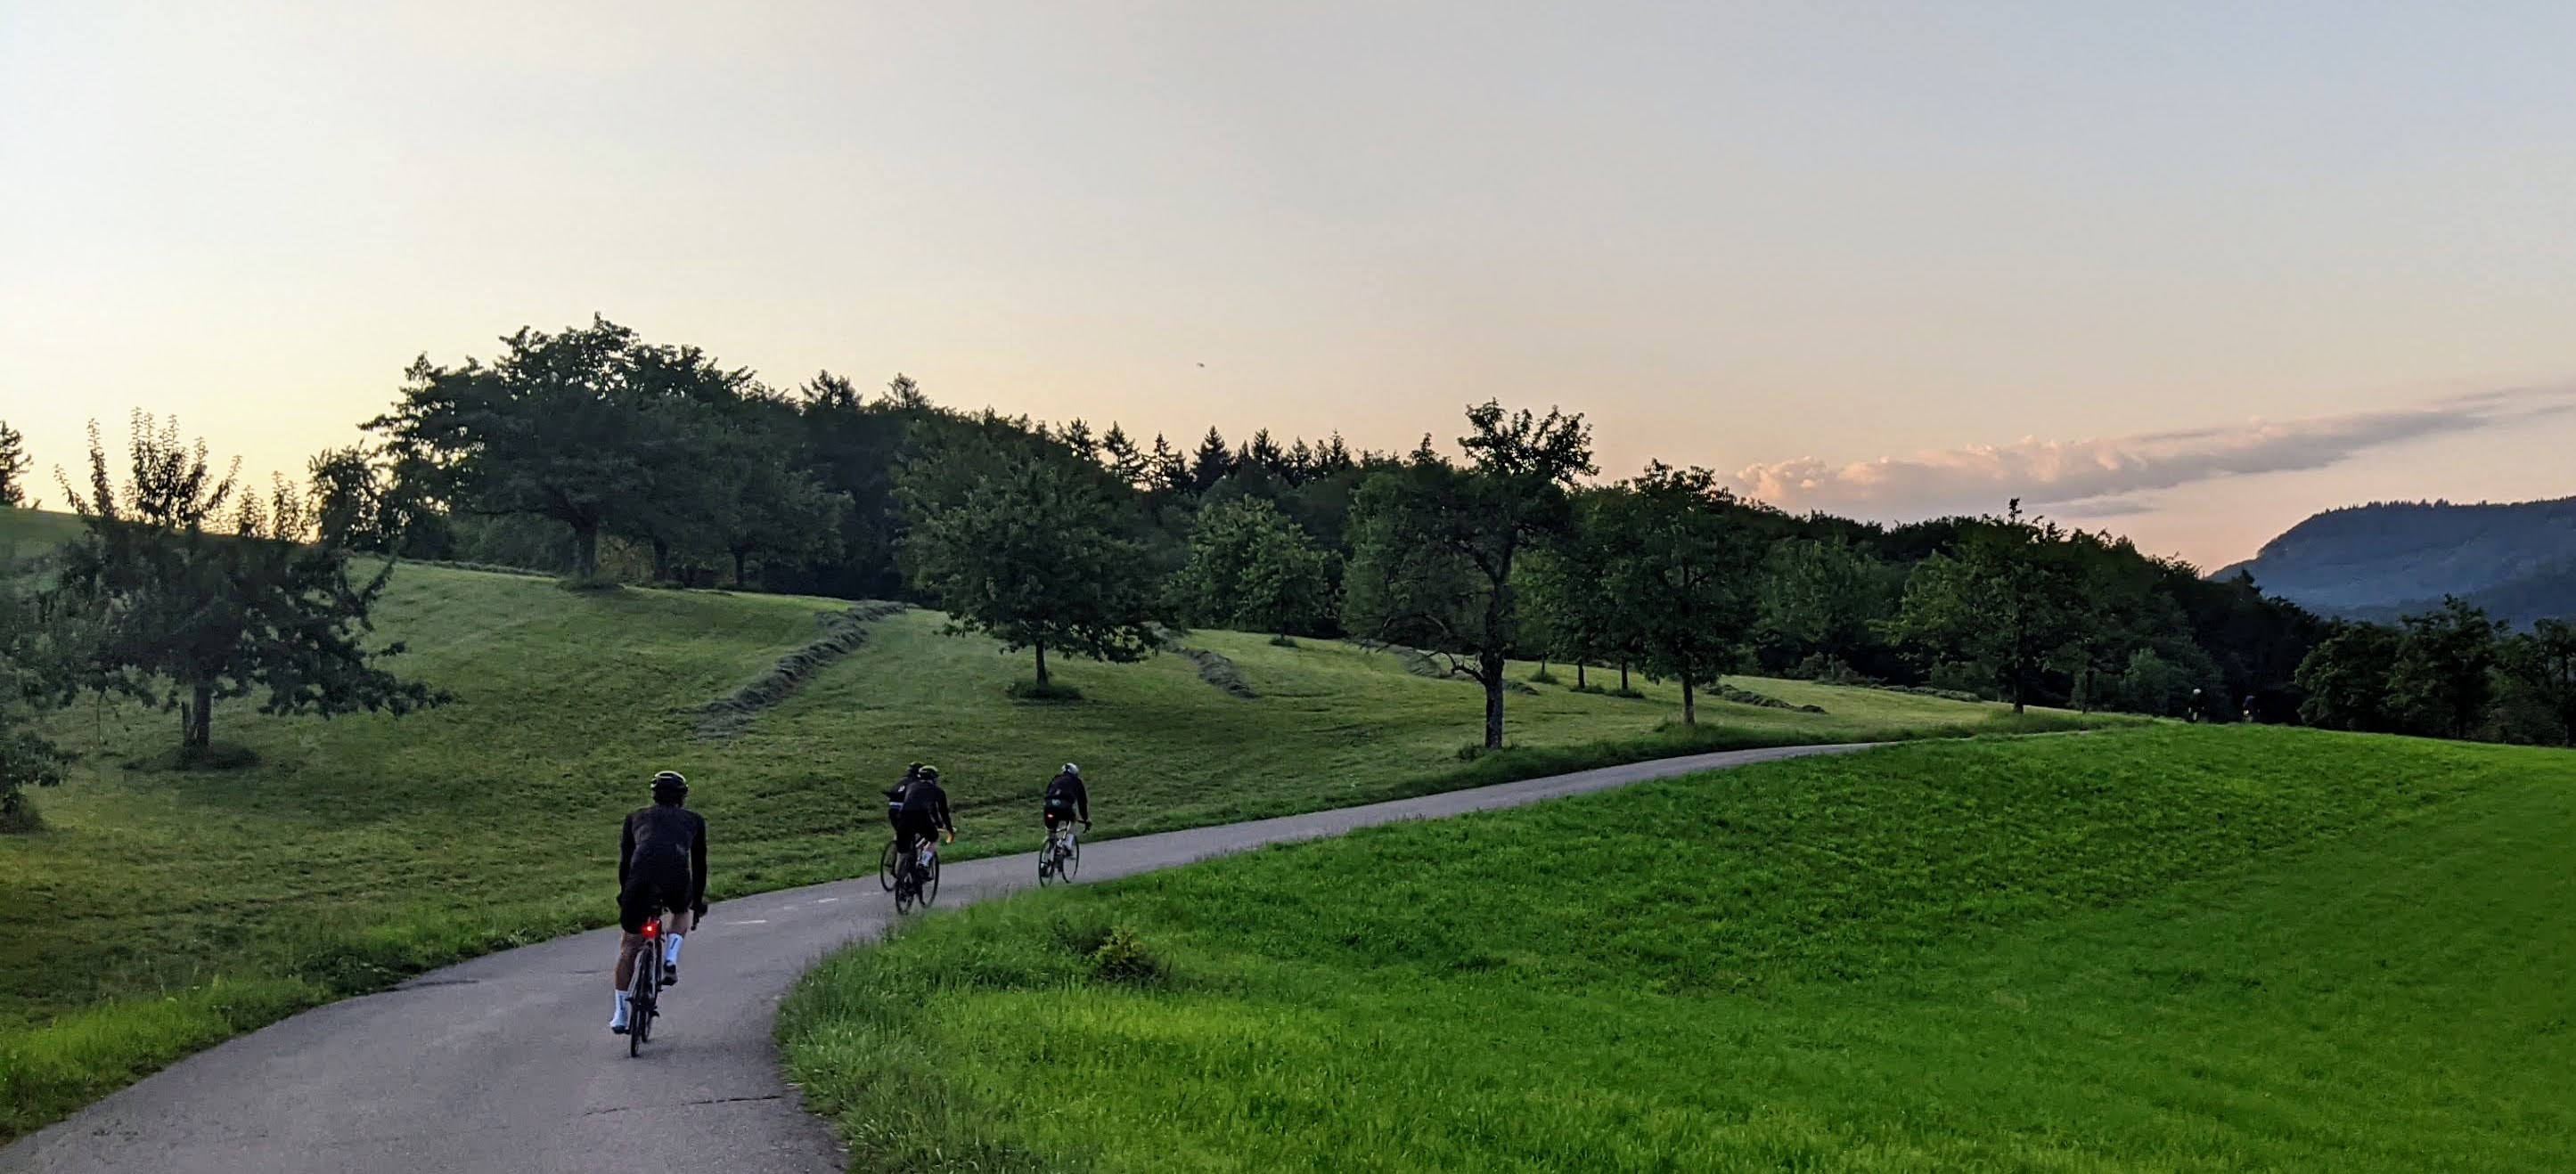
pixel 506 1063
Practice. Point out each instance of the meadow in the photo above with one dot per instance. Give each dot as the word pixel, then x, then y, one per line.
pixel 161 910
pixel 2172 949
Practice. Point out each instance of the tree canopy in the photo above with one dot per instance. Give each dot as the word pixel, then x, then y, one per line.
pixel 1435 543
pixel 1014 534
pixel 205 592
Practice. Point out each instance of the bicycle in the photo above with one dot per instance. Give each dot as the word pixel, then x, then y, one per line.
pixel 644 991
pixel 1062 856
pixel 916 881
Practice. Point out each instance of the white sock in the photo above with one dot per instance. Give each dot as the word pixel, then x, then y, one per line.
pixel 619 1020
pixel 671 953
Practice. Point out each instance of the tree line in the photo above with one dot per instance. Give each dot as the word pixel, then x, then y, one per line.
pixel 2452 672
pixel 593 453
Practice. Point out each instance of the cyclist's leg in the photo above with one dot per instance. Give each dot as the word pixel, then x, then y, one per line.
pixel 631 915
pixel 676 923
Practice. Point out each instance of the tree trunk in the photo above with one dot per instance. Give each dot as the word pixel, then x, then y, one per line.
pixel 1623 678
pixel 585 551
pixel 661 560
pixel 1491 675
pixel 200 718
pixel 738 563
pixel 1690 701
pixel 1042 676
pixel 1579 683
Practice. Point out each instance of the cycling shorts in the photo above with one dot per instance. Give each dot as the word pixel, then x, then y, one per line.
pixel 649 895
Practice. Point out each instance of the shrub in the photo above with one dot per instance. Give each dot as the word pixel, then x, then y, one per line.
pixel 1543 677
pixel 1283 640
pixel 1028 690
pixel 1123 957
pixel 1830 670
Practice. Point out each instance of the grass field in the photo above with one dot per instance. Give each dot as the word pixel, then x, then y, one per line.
pixel 2180 949
pixel 160 911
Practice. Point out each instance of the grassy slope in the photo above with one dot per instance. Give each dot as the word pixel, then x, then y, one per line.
pixel 2204 949
pixel 161 911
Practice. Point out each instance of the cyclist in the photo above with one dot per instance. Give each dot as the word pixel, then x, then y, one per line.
pixel 922 814
pixel 1066 798
pixel 661 872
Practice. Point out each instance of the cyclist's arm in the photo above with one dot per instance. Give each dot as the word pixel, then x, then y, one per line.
pixel 1082 800
pixel 625 850
pixel 944 824
pixel 698 870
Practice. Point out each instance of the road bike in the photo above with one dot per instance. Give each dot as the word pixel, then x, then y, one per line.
pixel 1062 856
pixel 916 880
pixel 644 990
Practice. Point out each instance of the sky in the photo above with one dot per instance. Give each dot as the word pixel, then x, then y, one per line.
pixel 2185 271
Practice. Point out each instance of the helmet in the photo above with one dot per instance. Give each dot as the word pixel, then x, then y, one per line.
pixel 930 774
pixel 670 782
pixel 1071 769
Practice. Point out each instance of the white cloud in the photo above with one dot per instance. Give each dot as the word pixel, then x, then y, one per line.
pixel 2118 475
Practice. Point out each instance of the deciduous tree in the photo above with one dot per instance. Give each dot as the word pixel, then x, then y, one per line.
pixel 1250 568
pixel 202 592
pixel 1014 535
pixel 591 427
pixel 2002 595
pixel 1687 577
pixel 2442 677
pixel 1435 544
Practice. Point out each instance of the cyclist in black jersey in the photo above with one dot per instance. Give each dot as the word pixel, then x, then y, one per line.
pixel 661 872
pixel 1066 798
pixel 922 812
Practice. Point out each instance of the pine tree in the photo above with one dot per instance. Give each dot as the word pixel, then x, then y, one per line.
pixel 14 464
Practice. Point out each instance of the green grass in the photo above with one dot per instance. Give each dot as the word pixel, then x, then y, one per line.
pixel 161 910
pixel 2170 949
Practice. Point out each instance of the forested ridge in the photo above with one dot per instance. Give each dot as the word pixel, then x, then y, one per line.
pixel 2384 559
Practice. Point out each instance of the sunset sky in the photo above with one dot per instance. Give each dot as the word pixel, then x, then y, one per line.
pixel 2186 271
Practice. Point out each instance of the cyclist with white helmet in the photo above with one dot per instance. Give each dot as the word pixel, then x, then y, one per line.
pixel 1066 798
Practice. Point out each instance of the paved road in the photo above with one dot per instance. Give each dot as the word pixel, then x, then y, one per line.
pixel 505 1063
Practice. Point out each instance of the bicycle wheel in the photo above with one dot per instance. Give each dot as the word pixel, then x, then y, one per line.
pixel 905 887
pixel 1048 862
pixel 1072 862
pixel 887 865
pixel 639 999
pixel 930 884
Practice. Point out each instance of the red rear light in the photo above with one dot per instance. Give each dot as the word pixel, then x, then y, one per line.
pixel 652 929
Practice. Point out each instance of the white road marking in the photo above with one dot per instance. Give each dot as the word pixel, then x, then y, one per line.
pixel 752 921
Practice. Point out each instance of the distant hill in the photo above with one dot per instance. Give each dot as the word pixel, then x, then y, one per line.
pixel 2380 560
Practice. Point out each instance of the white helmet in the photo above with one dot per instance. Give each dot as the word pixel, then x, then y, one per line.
pixel 1071 769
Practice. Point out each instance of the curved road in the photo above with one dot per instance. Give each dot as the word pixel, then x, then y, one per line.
pixel 505 1063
